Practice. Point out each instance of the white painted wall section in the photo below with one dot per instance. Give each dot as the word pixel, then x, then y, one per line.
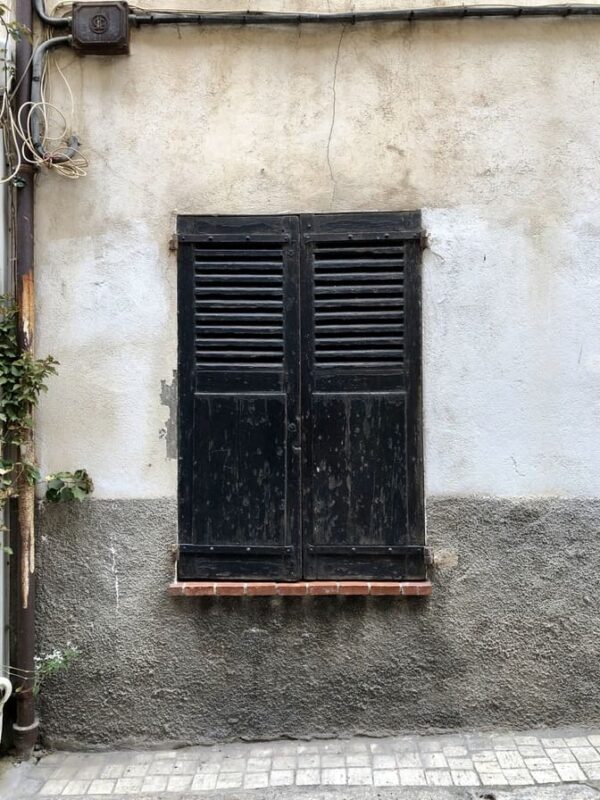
pixel 512 356
pixel 480 123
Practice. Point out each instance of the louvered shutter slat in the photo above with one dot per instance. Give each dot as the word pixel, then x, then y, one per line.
pixel 375 290
pixel 238 286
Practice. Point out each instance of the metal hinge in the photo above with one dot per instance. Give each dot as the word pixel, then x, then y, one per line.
pixel 429 556
pixel 173 243
pixel 423 240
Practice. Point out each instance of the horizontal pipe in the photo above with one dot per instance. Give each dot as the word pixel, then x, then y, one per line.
pixel 37 68
pixel 431 13
pixel 55 22
pixel 393 15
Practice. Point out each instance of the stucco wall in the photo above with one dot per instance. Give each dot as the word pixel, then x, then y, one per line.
pixel 508 639
pixel 481 124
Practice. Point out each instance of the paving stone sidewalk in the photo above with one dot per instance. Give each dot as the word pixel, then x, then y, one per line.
pixel 542 758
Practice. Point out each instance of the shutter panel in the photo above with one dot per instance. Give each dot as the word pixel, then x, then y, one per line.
pixel 363 513
pixel 238 361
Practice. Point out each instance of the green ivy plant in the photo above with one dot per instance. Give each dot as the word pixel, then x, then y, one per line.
pixel 22 379
pixel 64 486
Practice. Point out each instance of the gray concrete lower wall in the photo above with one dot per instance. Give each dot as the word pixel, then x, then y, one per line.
pixel 509 638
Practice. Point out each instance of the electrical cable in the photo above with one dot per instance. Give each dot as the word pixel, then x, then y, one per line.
pixel 427 13
pixel 144 16
pixel 59 152
pixel 37 103
pixel 27 130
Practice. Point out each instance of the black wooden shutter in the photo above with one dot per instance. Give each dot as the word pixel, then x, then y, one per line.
pixel 362 487
pixel 239 454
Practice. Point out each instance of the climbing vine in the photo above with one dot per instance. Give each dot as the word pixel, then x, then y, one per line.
pixel 22 379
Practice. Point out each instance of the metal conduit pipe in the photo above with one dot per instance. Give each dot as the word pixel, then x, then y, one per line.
pixel 392 15
pixel 55 22
pixel 37 68
pixel 428 13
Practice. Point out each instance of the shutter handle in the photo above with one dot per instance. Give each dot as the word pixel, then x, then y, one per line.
pixel 293 428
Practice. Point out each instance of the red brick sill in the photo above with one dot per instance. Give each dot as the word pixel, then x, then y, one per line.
pixel 303 588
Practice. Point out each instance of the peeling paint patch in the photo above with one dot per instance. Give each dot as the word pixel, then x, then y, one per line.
pixel 168 398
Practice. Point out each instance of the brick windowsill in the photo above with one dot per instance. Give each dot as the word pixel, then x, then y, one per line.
pixel 300 589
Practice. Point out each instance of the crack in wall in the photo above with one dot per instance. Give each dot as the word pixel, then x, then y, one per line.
pixel 333 113
pixel 516 467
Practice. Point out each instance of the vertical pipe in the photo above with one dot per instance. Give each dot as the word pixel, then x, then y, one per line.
pixel 4 284
pixel 26 724
pixel 5 288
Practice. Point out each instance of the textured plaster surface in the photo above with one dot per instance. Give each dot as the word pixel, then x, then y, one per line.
pixel 480 123
pixel 508 639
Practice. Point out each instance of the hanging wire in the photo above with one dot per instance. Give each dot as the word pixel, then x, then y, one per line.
pixel 54 149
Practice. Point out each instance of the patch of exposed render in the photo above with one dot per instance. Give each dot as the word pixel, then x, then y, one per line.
pixel 168 398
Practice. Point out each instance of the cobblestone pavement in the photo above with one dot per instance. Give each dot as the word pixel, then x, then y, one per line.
pixel 542 758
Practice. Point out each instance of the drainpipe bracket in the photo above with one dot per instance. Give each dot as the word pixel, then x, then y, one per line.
pixel 25 728
pixel 25 738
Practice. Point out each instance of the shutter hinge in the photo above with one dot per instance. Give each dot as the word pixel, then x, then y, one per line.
pixel 174 552
pixel 428 556
pixel 423 241
pixel 173 243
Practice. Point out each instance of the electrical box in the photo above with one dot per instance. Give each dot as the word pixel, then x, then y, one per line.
pixel 101 28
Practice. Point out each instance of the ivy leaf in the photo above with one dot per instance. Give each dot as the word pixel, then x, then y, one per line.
pixel 78 493
pixel 32 474
pixel 67 486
